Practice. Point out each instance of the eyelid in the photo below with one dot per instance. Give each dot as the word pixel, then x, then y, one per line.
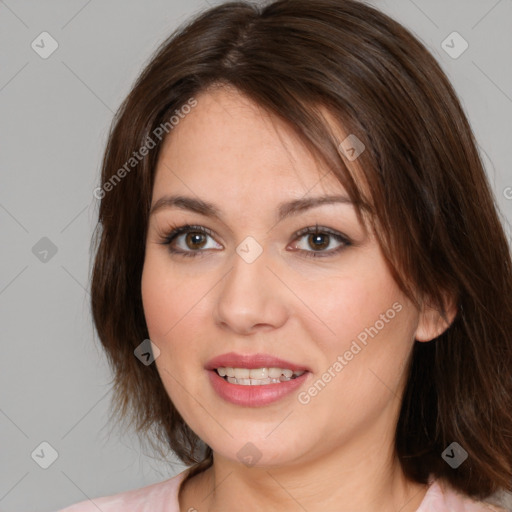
pixel 319 229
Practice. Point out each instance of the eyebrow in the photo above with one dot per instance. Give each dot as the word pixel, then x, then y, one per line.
pixel 207 209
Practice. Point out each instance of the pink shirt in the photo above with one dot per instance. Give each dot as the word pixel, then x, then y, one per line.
pixel 163 497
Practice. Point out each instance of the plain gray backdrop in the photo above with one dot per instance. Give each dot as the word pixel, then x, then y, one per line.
pixel 55 114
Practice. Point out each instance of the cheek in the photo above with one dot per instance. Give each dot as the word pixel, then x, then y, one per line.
pixel 175 310
pixel 169 313
pixel 168 296
pixel 162 310
pixel 363 317
pixel 342 305
pixel 155 299
pixel 362 364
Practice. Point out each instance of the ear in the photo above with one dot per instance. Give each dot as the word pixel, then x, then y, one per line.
pixel 431 322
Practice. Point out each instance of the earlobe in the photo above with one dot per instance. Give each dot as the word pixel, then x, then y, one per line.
pixel 431 322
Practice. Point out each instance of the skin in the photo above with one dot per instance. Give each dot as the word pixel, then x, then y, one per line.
pixel 335 452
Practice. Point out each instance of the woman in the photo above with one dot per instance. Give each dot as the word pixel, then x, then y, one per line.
pixel 301 280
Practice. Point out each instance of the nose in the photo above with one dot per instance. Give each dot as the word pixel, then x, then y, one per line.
pixel 250 297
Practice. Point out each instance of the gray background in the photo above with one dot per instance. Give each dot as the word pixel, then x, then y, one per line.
pixel 55 115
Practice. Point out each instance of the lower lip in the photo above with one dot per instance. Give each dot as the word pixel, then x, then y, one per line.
pixel 254 396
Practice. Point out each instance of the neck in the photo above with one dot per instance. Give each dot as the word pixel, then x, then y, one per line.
pixel 366 477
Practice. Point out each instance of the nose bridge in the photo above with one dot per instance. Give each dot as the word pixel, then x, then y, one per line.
pixel 249 294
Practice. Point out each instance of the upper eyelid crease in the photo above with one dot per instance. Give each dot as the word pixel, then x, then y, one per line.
pixel 210 210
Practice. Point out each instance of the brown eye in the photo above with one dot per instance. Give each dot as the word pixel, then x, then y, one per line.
pixel 189 240
pixel 318 241
pixel 195 240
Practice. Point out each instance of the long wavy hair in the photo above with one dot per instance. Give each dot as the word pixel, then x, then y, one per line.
pixel 422 183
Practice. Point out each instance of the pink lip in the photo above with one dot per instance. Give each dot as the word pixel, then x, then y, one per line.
pixel 254 396
pixel 234 360
pixel 258 395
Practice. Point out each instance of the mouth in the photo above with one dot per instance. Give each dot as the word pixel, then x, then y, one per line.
pixel 255 380
pixel 246 391
pixel 257 376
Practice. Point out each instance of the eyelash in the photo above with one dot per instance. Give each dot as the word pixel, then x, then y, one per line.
pixel 313 230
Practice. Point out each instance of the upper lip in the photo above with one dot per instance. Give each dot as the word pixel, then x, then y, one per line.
pixel 233 360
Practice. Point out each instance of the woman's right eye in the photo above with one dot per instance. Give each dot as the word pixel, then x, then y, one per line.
pixel 193 240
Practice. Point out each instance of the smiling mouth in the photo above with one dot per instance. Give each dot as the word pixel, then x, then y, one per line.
pixel 257 376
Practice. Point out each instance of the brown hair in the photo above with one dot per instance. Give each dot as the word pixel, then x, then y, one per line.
pixel 426 193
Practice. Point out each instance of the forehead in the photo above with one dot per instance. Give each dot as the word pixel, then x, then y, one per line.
pixel 228 144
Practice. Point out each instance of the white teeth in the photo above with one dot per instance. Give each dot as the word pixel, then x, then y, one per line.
pixel 259 373
pixel 274 373
pixel 253 382
pixel 257 376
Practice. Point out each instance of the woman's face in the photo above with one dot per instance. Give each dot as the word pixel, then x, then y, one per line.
pixel 253 285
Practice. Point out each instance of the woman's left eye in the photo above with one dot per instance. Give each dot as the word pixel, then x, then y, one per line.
pixel 195 239
pixel 319 239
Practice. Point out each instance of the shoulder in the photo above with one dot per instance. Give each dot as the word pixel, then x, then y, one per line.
pixel 442 498
pixel 155 498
